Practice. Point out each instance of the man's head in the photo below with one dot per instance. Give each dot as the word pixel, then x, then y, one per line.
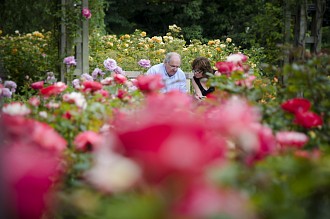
pixel 172 62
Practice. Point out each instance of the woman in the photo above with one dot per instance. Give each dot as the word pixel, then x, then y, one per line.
pixel 200 67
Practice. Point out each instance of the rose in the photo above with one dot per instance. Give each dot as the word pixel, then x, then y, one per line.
pixel 86 13
pixel 225 67
pixel 144 63
pixel 296 104
pixel 53 90
pixel 291 139
pixel 110 64
pixel 37 85
pixel 70 61
pixel 308 119
pixel 149 83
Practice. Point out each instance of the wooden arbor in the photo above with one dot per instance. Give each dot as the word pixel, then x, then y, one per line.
pixel 308 21
pixel 78 45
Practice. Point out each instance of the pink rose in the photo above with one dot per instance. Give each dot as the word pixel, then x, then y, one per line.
pixel 291 139
pixel 149 83
pixel 37 85
pixel 86 13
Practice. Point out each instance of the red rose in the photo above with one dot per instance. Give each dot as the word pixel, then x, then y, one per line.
pixel 296 104
pixel 308 119
pixel 53 90
pixel 91 86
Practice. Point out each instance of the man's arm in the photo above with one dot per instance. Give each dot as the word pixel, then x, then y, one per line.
pixel 183 83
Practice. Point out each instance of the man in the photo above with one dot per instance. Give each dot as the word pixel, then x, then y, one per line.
pixel 174 78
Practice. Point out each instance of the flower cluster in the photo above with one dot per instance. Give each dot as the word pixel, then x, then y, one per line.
pixel 233 63
pixel 7 89
pixel 236 63
pixel 300 107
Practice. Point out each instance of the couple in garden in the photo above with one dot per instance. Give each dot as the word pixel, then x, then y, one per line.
pixel 175 78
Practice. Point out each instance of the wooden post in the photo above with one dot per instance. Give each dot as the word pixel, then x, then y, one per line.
pixel 287 33
pixel 81 45
pixel 301 29
pixel 316 28
pixel 85 40
pixel 63 40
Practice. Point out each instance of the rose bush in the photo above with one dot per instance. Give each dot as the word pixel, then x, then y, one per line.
pixel 107 146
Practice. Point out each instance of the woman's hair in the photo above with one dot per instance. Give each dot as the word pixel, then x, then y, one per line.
pixel 203 64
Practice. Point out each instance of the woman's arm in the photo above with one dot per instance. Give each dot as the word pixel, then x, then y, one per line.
pixel 197 91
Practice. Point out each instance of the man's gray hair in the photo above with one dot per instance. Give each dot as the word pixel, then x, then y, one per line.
pixel 169 56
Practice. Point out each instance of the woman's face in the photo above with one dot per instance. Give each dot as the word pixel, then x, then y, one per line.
pixel 198 73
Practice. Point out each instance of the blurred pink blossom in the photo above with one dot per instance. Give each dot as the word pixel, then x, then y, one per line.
pixel 291 139
pixel 87 141
pixel 149 83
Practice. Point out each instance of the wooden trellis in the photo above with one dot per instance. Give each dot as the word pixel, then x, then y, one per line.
pixel 81 49
pixel 307 20
pixel 308 26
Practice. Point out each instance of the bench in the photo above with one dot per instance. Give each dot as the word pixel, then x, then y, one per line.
pixel 189 76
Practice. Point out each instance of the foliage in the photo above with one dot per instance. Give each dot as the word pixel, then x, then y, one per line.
pixel 309 79
pixel 20 15
pixel 24 16
pixel 267 32
pixel 27 57
pixel 257 24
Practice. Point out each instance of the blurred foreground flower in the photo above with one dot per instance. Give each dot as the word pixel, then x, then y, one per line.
pixel 149 83
pixel 111 172
pixel 31 155
pixel 16 109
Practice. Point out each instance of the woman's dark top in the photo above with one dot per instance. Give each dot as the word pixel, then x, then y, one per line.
pixel 204 92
